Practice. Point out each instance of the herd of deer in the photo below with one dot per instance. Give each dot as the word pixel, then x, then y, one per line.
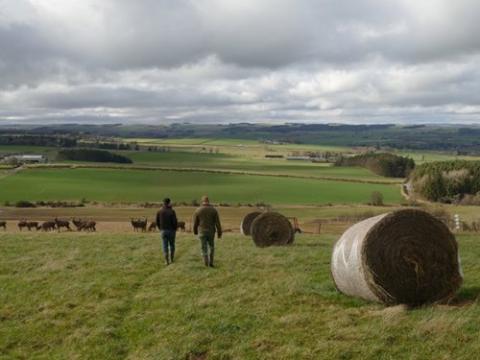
pixel 142 225
pixel 81 225
pixel 56 224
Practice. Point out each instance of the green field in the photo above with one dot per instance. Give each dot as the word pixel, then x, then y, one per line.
pixel 239 163
pixel 122 185
pixel 67 296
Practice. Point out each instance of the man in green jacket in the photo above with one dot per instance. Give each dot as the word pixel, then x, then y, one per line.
pixel 205 223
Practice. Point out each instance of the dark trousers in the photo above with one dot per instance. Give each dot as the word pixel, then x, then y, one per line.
pixel 168 239
pixel 208 243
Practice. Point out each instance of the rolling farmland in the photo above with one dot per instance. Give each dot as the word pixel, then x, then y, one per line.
pixel 111 185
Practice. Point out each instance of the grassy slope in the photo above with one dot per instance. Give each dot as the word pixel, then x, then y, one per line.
pixel 97 296
pixel 136 185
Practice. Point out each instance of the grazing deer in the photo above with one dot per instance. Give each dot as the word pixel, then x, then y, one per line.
pixel 22 224
pixel 89 225
pixel 78 223
pixel 48 226
pixel 62 223
pixel 32 225
pixel 181 225
pixel 152 227
pixel 3 224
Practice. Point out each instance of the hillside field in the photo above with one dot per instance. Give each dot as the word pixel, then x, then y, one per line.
pixel 73 295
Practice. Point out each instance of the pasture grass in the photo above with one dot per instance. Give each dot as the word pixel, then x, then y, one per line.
pixel 72 295
pixel 122 185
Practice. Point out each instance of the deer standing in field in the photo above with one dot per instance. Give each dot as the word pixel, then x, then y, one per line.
pixel 62 223
pixel 181 225
pixel 152 227
pixel 87 225
pixel 22 224
pixel 139 224
pixel 48 226
pixel 32 225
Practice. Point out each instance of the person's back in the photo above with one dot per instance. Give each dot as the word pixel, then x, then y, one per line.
pixel 166 219
pixel 206 222
pixel 167 224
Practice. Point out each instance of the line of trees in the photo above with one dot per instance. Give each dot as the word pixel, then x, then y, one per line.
pixel 92 155
pixel 384 164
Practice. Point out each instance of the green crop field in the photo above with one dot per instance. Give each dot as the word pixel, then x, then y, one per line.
pixel 139 185
pixel 239 163
pixel 98 296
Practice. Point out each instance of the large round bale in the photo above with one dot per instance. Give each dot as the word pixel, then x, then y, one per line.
pixel 270 229
pixel 246 224
pixel 404 257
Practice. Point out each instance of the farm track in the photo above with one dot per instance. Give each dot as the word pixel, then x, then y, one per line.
pixel 213 171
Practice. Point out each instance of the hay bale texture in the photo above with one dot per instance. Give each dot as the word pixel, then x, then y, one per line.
pixel 271 228
pixel 404 257
pixel 246 224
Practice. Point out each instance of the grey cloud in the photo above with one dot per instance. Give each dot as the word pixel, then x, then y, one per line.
pixel 249 60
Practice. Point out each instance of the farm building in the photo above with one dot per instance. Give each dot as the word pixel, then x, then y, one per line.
pixel 26 158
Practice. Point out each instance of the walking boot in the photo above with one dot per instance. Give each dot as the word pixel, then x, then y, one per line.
pixel 205 260
pixel 172 255
pixel 210 263
pixel 167 261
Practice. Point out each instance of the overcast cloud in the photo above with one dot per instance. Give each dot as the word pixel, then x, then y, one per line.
pixel 162 61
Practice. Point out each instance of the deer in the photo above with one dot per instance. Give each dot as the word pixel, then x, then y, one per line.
pixel 139 224
pixel 32 225
pixel 22 224
pixel 48 226
pixel 181 225
pixel 152 227
pixel 62 223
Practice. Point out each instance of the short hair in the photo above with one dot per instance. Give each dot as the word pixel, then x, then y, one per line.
pixel 166 201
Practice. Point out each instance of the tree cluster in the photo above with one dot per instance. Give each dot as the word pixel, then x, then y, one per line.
pixel 383 164
pixel 447 181
pixel 92 155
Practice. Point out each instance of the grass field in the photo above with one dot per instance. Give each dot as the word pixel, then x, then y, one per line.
pixel 96 296
pixel 241 163
pixel 137 185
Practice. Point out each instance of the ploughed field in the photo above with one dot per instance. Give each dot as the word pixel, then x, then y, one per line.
pixel 69 295
pixel 123 185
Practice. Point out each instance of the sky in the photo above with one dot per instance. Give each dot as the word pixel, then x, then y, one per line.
pixel 224 61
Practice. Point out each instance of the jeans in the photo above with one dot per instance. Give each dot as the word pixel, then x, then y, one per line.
pixel 168 239
pixel 208 243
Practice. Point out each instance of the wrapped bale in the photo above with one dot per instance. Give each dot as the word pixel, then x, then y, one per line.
pixel 404 257
pixel 246 224
pixel 272 228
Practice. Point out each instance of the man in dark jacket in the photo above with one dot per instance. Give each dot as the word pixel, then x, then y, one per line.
pixel 167 224
pixel 205 223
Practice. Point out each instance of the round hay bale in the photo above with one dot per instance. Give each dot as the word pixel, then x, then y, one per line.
pixel 272 228
pixel 246 224
pixel 404 257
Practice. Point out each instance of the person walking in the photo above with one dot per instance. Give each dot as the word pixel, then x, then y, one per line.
pixel 167 224
pixel 205 223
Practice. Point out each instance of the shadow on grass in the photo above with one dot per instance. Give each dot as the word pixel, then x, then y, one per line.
pixel 466 296
pixel 311 245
